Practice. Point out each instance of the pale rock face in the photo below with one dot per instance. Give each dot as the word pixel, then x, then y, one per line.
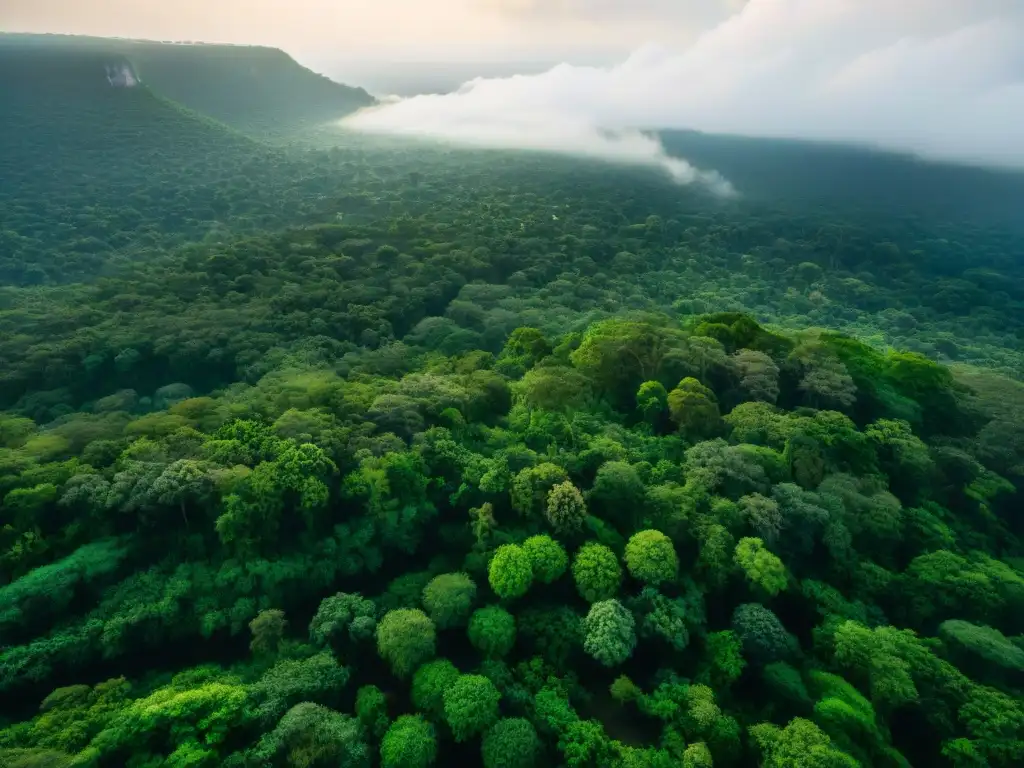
pixel 121 76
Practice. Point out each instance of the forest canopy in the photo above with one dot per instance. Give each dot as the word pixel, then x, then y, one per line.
pixel 360 453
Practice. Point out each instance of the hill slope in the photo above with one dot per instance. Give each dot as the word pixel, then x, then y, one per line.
pixel 92 161
pixel 803 173
pixel 97 164
pixel 261 91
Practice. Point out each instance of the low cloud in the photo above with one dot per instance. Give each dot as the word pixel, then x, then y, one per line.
pixel 940 78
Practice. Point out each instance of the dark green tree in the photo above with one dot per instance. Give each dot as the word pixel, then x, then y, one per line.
pixel 267 631
pixel 492 631
pixel 512 742
pixel 470 706
pixel 609 633
pixel 409 743
pixel 765 639
pixel 372 710
pixel 405 639
pixel 429 684
pixel 566 510
pixel 448 599
pixel 342 619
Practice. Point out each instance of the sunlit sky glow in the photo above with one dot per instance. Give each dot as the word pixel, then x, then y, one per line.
pixel 382 28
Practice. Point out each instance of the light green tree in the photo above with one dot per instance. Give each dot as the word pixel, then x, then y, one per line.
pixel 597 572
pixel 547 558
pixel 761 567
pixel 510 572
pixel 651 557
pixel 405 639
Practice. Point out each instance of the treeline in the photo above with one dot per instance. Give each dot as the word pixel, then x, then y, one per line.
pixel 424 266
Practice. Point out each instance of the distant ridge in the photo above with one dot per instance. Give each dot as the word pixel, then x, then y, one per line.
pixel 95 162
pixel 800 172
pixel 261 91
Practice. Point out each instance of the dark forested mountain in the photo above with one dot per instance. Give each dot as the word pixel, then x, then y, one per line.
pixel 97 163
pixel 378 453
pixel 261 91
pixel 806 174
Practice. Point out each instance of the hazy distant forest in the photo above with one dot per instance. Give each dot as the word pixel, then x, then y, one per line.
pixel 325 450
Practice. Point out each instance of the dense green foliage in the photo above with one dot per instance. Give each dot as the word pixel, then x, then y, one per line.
pixel 548 560
pixel 596 571
pixel 492 631
pixel 405 638
pixel 511 571
pixel 651 557
pixel 429 684
pixel 448 599
pixel 511 743
pixel 488 463
pixel 408 743
pixel 609 634
pixel 470 705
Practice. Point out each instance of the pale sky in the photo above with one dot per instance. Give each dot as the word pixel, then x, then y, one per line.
pixel 383 28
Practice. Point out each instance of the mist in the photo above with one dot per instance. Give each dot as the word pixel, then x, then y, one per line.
pixel 941 79
pixel 414 76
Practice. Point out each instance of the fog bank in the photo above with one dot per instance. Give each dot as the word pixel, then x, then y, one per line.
pixel 940 78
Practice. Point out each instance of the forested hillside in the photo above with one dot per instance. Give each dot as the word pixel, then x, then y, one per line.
pixel 804 174
pixel 377 453
pixel 97 168
pixel 263 92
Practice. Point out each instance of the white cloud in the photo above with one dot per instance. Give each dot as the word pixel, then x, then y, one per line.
pixel 942 78
pixel 664 13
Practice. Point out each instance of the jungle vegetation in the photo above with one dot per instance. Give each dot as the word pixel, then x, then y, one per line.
pixel 376 453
